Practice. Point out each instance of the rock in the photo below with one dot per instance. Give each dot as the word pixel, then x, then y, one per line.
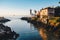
pixel 4 20
pixel 6 33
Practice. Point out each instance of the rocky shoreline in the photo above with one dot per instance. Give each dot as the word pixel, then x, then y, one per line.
pixel 46 26
pixel 28 19
pixel 7 34
pixel 3 20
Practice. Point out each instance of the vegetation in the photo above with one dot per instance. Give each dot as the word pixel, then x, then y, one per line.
pixel 34 18
pixel 57 11
pixel 54 21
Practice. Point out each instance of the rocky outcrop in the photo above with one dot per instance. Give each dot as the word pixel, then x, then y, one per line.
pixel 7 34
pixel 3 20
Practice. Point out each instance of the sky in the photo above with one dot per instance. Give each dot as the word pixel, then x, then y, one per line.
pixel 22 7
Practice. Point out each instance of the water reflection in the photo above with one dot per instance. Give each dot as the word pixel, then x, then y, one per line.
pixel 48 34
pixel 28 31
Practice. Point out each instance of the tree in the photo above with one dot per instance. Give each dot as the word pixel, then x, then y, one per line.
pixel 57 11
pixel 59 2
pixel 35 11
pixel 30 11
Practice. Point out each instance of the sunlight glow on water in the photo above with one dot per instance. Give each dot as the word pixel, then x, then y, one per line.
pixel 24 29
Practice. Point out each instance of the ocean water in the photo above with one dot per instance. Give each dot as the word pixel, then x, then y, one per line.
pixel 25 30
pixel 28 31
